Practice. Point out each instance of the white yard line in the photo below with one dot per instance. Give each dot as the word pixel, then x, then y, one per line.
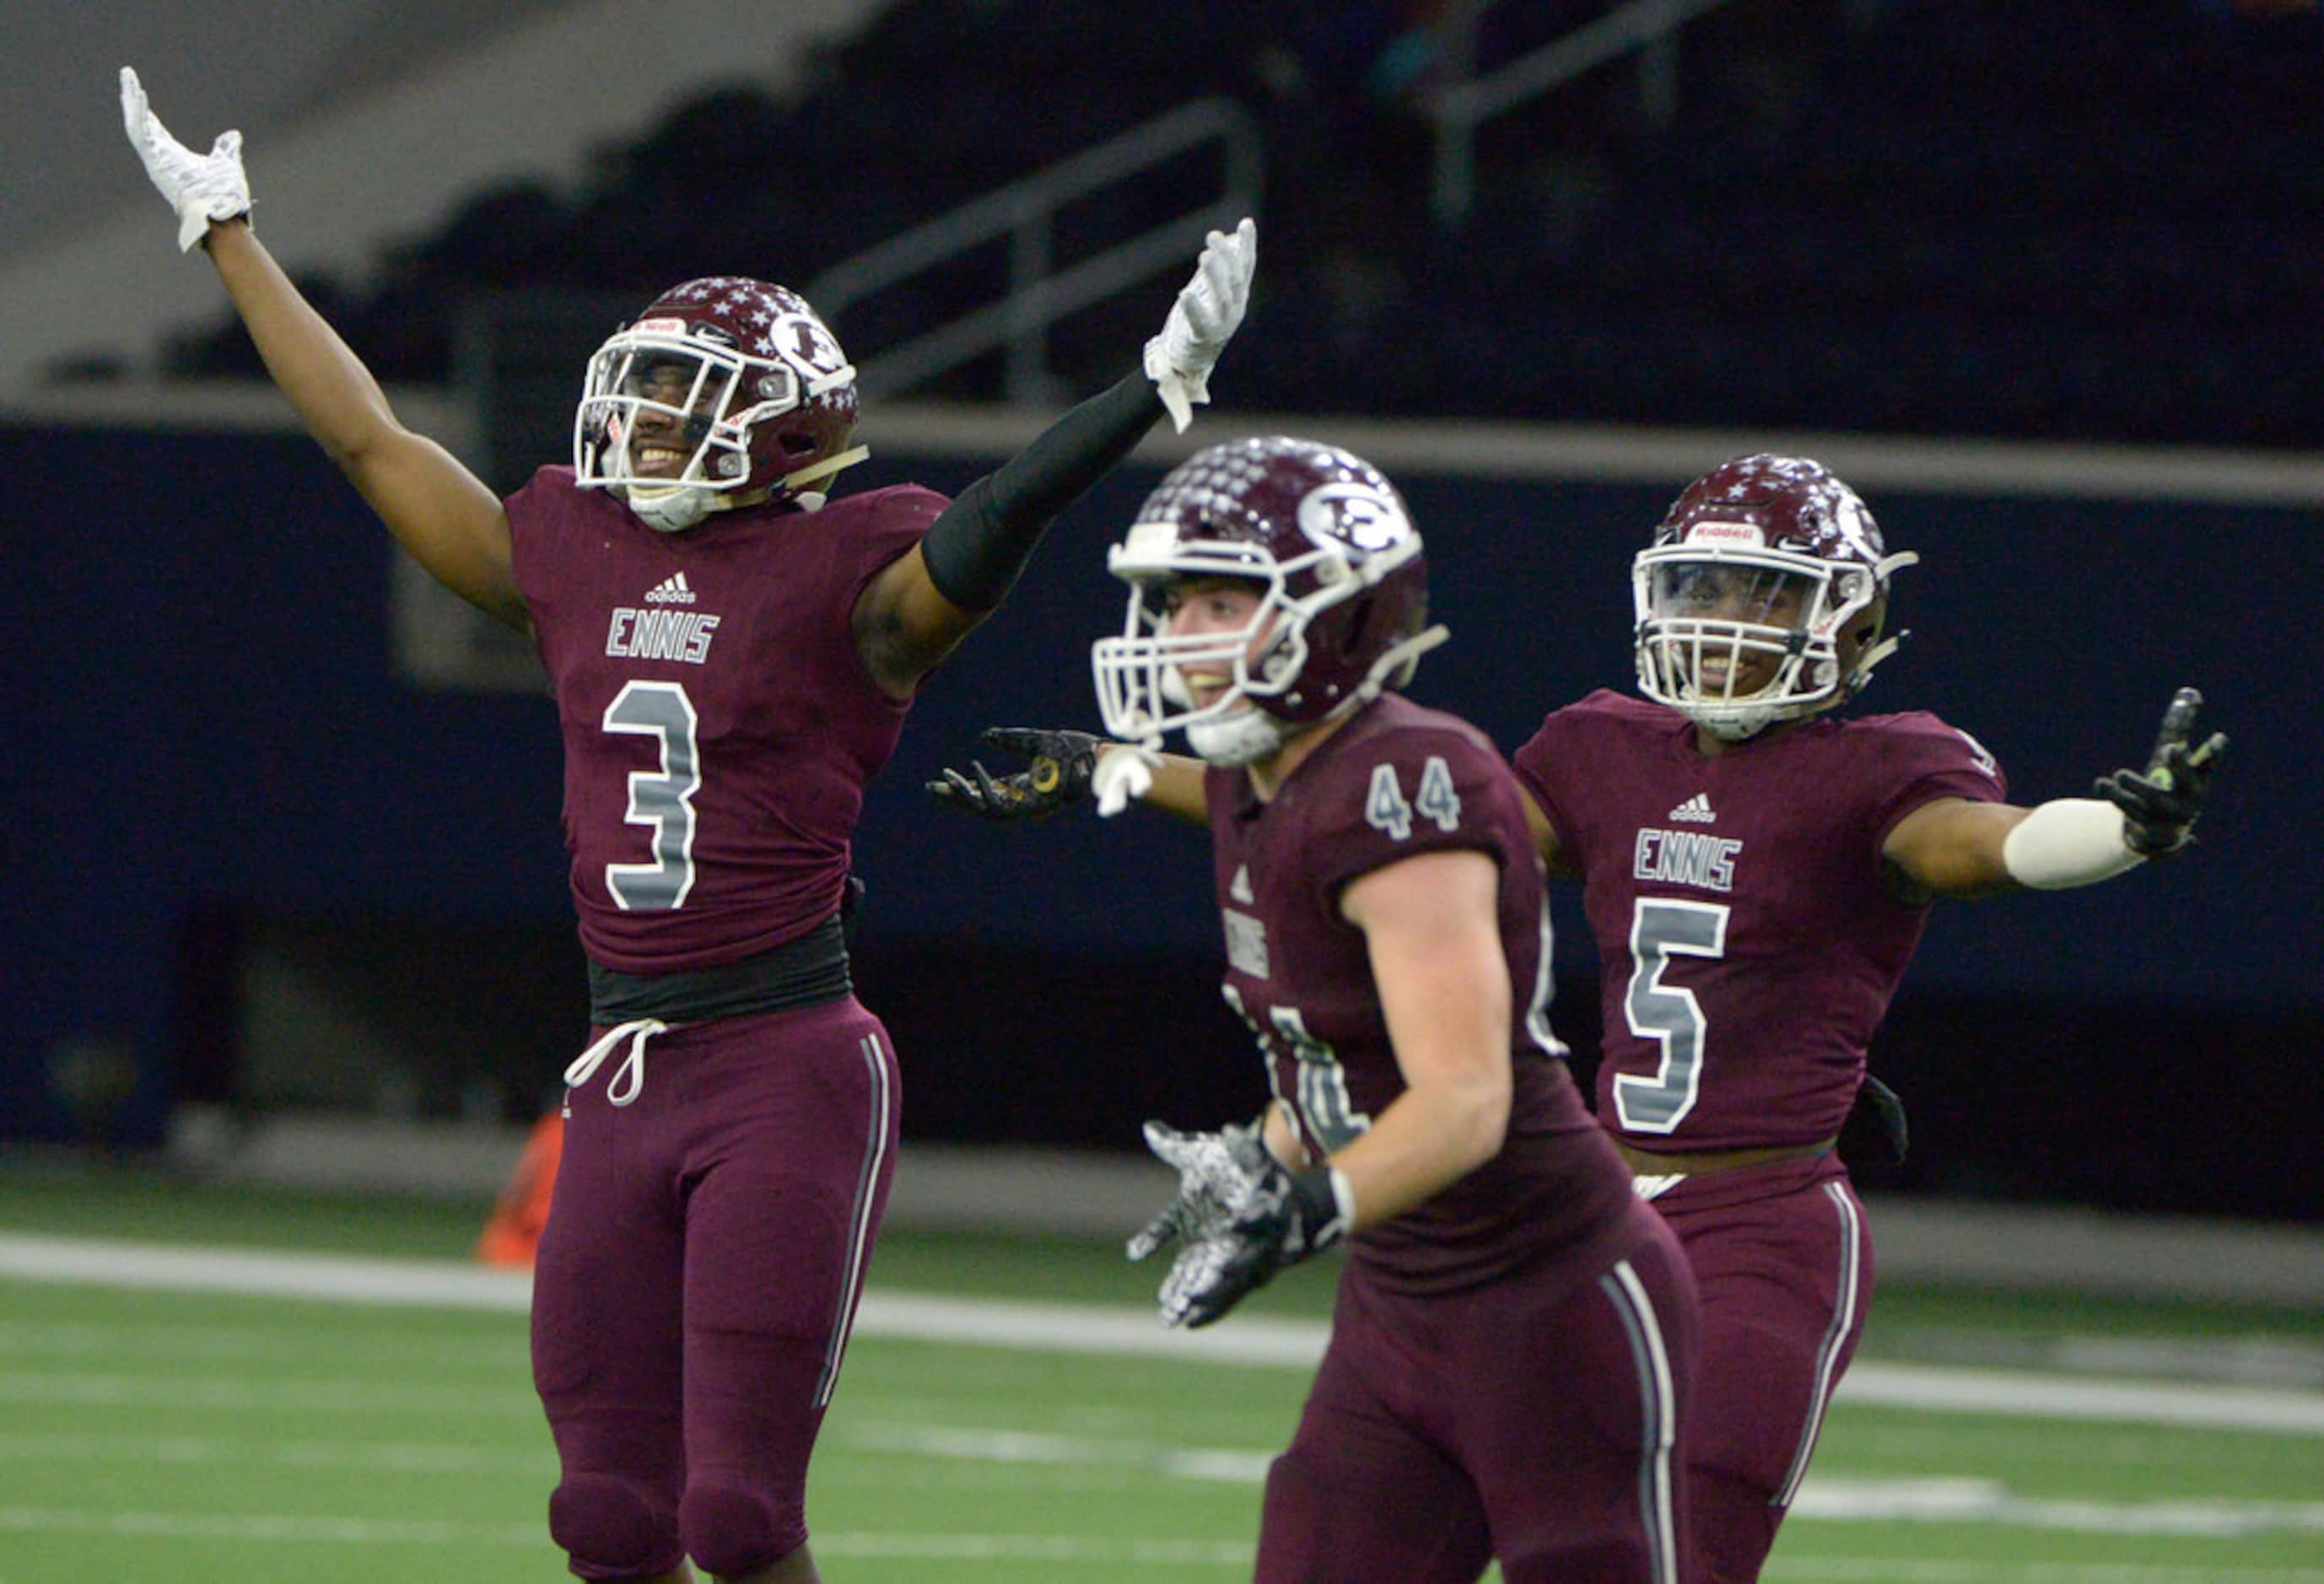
pixel 212 1452
pixel 1839 1499
pixel 1822 1499
pixel 267 1396
pixel 1253 1340
pixel 285 1529
pixel 1940 1389
pixel 1844 1569
pixel 284 1341
pixel 280 1528
pixel 187 1267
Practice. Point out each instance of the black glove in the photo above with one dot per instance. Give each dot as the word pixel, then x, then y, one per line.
pixel 2161 804
pixel 1276 1218
pixel 851 908
pixel 1875 1129
pixel 1059 775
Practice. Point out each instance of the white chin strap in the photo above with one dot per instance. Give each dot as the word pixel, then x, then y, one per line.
pixel 1243 738
pixel 822 473
pixel 1734 723
pixel 670 507
pixel 675 508
pixel 1250 735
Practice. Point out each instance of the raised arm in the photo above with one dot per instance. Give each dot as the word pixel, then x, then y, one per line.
pixel 449 520
pixel 1958 848
pixel 919 608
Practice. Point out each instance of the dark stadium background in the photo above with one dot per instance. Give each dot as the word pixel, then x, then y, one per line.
pixel 217 771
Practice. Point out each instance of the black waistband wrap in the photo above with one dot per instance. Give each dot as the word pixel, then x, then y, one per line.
pixel 975 550
pixel 804 973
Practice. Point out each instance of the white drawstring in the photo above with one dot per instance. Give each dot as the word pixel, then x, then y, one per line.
pixel 632 1067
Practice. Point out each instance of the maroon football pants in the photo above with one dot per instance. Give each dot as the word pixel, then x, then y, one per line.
pixel 705 1251
pixel 1782 1260
pixel 1532 1420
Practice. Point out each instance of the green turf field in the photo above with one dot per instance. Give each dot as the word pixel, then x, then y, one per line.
pixel 188 1435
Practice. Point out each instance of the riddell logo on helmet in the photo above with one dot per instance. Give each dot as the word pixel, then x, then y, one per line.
pixel 1725 533
pixel 660 327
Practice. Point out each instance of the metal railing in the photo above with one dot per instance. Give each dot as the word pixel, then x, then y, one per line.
pixel 1646 28
pixel 1038 293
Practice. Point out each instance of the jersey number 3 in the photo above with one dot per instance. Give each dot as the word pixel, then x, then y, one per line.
pixel 662 800
pixel 1660 929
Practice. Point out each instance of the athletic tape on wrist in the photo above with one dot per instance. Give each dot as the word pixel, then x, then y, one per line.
pixel 2067 841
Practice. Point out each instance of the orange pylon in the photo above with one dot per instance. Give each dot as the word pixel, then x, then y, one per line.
pixel 513 1233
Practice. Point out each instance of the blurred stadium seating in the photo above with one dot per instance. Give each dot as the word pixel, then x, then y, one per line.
pixel 2084 219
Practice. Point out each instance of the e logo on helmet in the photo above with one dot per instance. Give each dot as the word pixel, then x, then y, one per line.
pixel 803 337
pixel 1339 515
pixel 1854 523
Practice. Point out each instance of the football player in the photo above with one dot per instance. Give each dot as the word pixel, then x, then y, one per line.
pixel 1756 872
pixel 1513 1341
pixel 733 650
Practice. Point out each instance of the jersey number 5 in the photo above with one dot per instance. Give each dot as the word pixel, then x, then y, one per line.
pixel 662 799
pixel 1660 929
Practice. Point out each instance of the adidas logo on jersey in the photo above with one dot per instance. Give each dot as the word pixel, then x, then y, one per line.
pixel 670 591
pixel 1696 809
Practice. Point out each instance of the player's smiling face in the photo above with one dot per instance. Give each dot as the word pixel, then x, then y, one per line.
pixel 1199 607
pixel 1749 595
pixel 663 442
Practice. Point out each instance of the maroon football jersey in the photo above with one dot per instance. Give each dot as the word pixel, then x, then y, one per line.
pixel 1397 781
pixel 1747 946
pixel 719 723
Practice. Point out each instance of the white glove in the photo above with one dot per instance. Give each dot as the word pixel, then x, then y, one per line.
pixel 1180 359
pixel 1124 773
pixel 202 188
pixel 1211 1168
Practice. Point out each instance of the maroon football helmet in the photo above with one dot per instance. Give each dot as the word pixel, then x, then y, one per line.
pixel 1762 596
pixel 722 387
pixel 1343 587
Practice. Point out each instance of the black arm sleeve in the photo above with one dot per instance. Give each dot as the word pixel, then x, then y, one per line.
pixel 975 550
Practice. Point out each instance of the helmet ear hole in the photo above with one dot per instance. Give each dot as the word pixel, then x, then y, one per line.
pixel 1356 634
pixel 1863 631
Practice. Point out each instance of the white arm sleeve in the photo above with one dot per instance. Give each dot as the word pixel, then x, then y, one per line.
pixel 2067 841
